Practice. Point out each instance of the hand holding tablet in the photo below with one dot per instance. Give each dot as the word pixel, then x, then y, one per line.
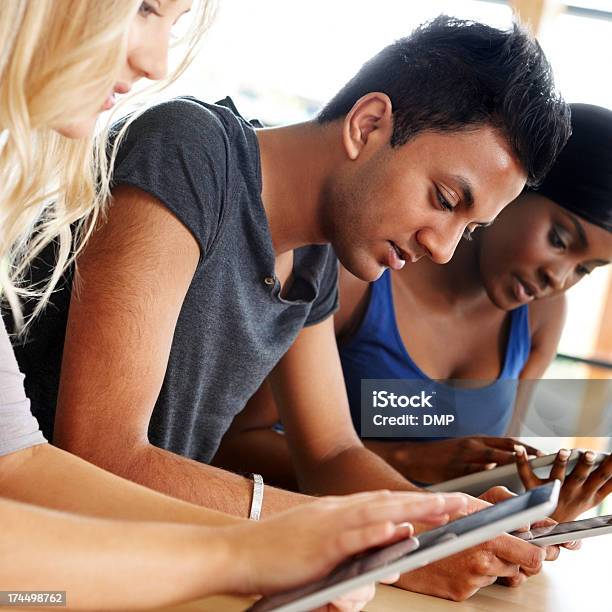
pixel 584 487
pixel 508 475
pixel 311 539
pixel 414 553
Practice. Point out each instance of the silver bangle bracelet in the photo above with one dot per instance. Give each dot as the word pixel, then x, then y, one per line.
pixel 258 492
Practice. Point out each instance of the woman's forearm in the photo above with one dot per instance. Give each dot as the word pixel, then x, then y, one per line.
pixel 109 564
pixel 50 477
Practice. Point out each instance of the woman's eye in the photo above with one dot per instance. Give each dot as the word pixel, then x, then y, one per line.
pixel 555 239
pixel 582 271
pixel 146 9
pixel 444 203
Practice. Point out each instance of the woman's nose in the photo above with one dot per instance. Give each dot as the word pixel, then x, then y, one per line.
pixel 150 58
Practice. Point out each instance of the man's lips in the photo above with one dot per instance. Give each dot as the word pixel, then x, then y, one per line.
pixel 396 258
pixel 405 255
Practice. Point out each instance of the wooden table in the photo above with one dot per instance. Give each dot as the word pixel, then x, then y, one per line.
pixel 577 581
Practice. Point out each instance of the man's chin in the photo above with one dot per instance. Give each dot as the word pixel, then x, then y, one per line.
pixel 366 273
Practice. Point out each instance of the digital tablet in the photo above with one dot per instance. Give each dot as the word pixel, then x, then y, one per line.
pixel 506 475
pixel 568 532
pixel 412 553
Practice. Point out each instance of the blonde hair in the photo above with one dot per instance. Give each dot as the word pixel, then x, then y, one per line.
pixel 58 60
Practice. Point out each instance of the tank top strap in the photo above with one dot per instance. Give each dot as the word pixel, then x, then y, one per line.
pixel 519 343
pixel 379 318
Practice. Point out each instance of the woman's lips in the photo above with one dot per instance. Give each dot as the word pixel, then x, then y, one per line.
pixel 109 102
pixel 395 257
pixel 522 292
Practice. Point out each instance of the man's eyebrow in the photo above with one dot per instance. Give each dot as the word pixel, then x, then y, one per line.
pixel 465 186
pixel 584 243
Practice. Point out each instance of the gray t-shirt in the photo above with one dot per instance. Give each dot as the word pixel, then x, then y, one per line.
pixel 18 428
pixel 202 162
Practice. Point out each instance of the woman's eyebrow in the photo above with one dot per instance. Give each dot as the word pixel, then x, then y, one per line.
pixel 584 243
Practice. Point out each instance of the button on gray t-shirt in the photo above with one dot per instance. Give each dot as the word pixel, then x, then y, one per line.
pixel 202 162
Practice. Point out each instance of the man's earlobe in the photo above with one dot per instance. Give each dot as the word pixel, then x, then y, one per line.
pixel 352 137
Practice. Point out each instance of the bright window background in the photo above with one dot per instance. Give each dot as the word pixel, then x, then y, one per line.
pixel 283 59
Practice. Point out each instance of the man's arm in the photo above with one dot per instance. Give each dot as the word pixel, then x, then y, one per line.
pixel 329 457
pixel 131 282
pixel 251 445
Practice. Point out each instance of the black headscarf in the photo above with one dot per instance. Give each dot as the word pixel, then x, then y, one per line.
pixel 581 178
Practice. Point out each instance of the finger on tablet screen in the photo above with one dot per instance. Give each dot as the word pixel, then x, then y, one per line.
pixel 600 480
pixel 560 465
pixel 581 470
pixel 528 478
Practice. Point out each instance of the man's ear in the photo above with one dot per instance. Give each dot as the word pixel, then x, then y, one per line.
pixel 371 118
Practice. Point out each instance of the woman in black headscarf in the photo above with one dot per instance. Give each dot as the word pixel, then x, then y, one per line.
pixel 493 314
pixel 548 240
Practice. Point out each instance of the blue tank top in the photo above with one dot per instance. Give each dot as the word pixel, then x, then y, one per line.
pixel 376 351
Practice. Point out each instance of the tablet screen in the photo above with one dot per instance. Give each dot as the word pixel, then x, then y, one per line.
pixel 571 527
pixel 489 515
pixel 355 567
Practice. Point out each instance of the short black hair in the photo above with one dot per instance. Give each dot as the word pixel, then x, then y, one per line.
pixel 451 74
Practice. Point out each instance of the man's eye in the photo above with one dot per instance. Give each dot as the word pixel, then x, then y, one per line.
pixel 444 203
pixel 555 239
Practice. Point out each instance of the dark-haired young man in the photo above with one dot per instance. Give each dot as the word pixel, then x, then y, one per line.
pixel 215 269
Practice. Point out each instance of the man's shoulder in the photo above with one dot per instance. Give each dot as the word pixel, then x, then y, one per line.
pixel 185 119
pixel 189 108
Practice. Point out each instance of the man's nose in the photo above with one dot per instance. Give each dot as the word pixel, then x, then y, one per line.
pixel 440 246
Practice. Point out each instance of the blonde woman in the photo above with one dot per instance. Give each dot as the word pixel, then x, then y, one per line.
pixel 107 542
